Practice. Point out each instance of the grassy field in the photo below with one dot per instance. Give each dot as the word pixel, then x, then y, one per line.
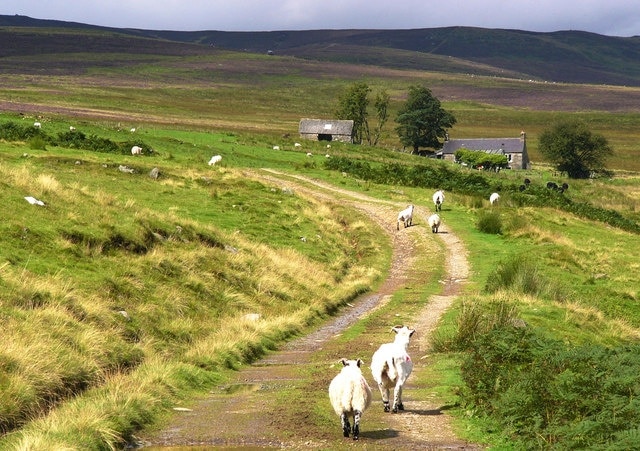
pixel 126 293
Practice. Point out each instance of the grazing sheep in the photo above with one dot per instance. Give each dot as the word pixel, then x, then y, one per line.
pixel 406 216
pixel 309 154
pixel 434 222
pixel 276 147
pixel 297 145
pixel 136 150
pixel 438 199
pixel 37 125
pixel 215 159
pixel 133 130
pixel 72 128
pixel 552 185
pixel 350 395
pixel 391 366
pixel 494 198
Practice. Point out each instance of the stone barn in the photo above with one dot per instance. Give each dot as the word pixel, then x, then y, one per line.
pixel 514 148
pixel 326 130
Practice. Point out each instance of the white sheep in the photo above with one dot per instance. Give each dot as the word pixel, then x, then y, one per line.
pixel 297 145
pixel 438 199
pixel 215 159
pixel 494 198
pixel 136 150
pixel 37 125
pixel 406 217
pixel 434 222
pixel 309 154
pixel 350 396
pixel 391 366
pixel 72 128
pixel 276 147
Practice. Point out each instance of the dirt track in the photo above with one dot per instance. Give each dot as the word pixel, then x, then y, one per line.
pixel 245 420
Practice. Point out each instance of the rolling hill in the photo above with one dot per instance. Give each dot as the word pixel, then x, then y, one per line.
pixel 563 56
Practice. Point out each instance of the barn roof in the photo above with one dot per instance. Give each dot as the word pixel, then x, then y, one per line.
pixel 326 126
pixel 489 145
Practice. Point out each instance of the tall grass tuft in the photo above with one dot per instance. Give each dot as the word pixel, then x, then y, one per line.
pixel 520 274
pixel 489 222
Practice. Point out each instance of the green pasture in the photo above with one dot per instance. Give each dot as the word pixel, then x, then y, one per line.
pixel 113 295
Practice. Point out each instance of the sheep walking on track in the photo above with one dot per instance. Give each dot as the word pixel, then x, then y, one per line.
pixel 495 197
pixel 438 199
pixel 391 366
pixel 434 222
pixel 350 396
pixel 406 217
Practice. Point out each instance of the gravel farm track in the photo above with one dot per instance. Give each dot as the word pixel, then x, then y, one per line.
pixel 244 419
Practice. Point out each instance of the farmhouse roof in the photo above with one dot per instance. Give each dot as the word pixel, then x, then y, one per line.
pixel 326 126
pixel 489 145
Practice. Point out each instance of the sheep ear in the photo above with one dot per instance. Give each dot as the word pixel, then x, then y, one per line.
pixel 359 362
pixel 413 331
pixel 396 329
pixel 343 361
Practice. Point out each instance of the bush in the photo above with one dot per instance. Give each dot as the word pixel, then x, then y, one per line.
pixel 489 222
pixel 519 274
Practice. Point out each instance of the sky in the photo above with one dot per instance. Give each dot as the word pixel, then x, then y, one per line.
pixel 607 17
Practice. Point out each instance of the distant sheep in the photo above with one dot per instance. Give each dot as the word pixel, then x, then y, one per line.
pixel 434 222
pixel 438 199
pixel 72 128
pixel 276 147
pixel 406 217
pixel 309 154
pixel 391 366
pixel 215 159
pixel 37 125
pixel 297 145
pixel 136 150
pixel 350 396
pixel 133 130
pixel 494 198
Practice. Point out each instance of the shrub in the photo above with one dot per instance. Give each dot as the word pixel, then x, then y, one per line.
pixel 489 222
pixel 518 273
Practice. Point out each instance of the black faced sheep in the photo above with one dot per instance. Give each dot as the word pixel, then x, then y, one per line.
pixel 350 396
pixel 438 199
pixel 391 366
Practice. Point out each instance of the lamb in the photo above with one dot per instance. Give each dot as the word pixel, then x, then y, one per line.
pixel 434 222
pixel 350 395
pixel 72 128
pixel 406 216
pixel 37 125
pixel 136 150
pixel 276 147
pixel 494 198
pixel 438 199
pixel 215 159
pixel 391 366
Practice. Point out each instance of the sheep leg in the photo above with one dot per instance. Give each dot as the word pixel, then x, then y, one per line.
pixel 397 399
pixel 384 392
pixel 346 427
pixel 356 424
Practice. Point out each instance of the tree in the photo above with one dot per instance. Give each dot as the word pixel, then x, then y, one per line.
pixel 573 149
pixel 381 105
pixel 353 106
pixel 422 121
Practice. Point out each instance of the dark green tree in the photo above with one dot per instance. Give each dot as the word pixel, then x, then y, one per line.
pixel 422 120
pixel 353 106
pixel 381 105
pixel 574 149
